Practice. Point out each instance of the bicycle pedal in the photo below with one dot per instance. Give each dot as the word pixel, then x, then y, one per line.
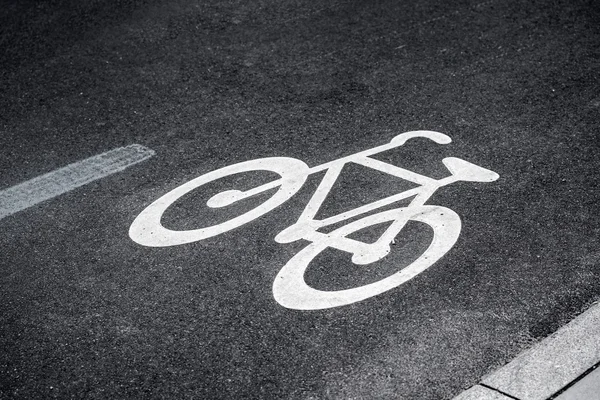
pixel 370 257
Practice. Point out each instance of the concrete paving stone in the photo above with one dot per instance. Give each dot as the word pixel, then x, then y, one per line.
pixel 552 364
pixel 479 392
pixel 588 388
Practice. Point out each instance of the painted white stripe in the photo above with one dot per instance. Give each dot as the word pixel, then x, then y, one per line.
pixel 549 366
pixel 55 183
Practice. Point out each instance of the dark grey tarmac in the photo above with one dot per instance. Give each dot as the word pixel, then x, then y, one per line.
pixel 88 313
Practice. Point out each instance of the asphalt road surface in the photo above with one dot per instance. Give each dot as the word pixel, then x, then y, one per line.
pixel 89 313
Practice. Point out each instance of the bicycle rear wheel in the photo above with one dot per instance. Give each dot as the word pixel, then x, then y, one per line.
pixel 147 229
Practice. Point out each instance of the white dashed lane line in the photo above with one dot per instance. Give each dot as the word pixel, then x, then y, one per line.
pixel 55 183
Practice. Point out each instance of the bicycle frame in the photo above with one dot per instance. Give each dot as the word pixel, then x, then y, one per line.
pixel 307 226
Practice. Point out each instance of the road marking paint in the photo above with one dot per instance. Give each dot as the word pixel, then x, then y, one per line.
pixel 55 183
pixel 552 364
pixel 289 287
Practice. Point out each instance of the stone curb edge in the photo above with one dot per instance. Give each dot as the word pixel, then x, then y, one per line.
pixel 548 367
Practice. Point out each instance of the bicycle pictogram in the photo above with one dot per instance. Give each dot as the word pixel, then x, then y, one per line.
pixel 290 288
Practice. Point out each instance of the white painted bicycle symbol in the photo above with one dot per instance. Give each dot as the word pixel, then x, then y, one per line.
pixel 290 288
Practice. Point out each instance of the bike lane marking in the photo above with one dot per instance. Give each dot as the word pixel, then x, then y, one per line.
pixel 545 369
pixel 289 288
pixel 72 176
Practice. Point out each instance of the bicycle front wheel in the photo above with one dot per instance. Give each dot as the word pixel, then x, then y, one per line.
pixel 291 291
pixel 147 229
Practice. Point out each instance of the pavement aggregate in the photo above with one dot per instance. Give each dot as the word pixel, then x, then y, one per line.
pixel 88 313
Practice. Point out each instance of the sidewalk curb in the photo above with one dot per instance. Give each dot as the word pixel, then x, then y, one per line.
pixel 549 366
pixel 479 392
